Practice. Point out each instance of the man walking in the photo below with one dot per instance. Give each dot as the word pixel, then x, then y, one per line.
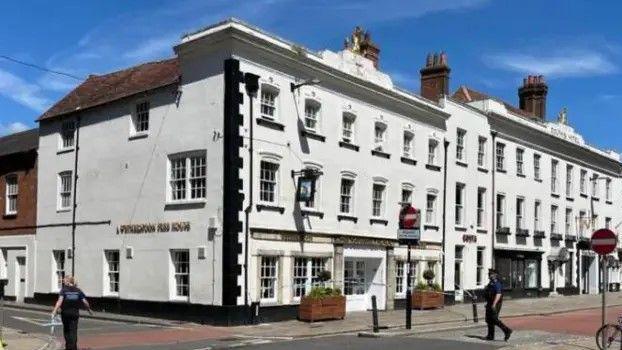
pixel 494 299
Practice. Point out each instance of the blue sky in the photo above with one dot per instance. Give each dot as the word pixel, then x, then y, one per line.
pixel 491 45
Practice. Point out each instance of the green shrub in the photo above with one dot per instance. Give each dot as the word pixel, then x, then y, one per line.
pixel 421 286
pixel 323 292
pixel 428 275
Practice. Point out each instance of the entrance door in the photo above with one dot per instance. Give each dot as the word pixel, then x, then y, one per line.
pixel 518 273
pixel 458 284
pixel 355 284
pixel 585 274
pixel 20 277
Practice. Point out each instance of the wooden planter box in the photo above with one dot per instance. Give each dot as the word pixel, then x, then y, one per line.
pixel 427 299
pixel 329 308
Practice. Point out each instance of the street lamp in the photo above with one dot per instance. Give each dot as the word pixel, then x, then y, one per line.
pixel 295 86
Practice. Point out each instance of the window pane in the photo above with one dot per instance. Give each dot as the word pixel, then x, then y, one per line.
pixel 198 177
pixel 141 123
pixel 268 181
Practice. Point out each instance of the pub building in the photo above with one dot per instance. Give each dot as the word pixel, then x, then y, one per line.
pixel 180 188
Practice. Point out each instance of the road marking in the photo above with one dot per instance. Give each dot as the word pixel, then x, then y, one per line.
pixel 243 336
pixel 36 321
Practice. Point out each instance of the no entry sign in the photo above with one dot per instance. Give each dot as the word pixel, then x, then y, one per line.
pixel 410 225
pixel 604 241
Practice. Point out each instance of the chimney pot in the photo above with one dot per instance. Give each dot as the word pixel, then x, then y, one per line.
pixel 532 96
pixel 435 76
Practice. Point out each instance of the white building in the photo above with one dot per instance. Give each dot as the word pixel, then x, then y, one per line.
pixel 187 171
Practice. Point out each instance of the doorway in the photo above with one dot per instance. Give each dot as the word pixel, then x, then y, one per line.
pixel 586 263
pixel 20 276
pixel 363 277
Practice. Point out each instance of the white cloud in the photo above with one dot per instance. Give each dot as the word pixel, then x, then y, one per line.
pixel 12 128
pixel 404 79
pixel 22 92
pixel 571 63
pixel 153 48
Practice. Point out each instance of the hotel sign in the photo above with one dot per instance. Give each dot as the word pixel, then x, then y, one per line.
pixel 179 226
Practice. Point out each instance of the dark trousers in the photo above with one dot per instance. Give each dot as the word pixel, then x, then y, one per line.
pixel 492 320
pixel 70 331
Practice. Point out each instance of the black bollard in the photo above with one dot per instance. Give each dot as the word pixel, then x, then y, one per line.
pixel 475 318
pixel 374 313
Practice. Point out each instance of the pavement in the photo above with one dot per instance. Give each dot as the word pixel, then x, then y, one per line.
pixel 570 320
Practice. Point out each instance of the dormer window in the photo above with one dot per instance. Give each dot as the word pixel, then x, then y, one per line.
pixel 269 98
pixel 347 131
pixel 380 133
pixel 140 118
pixel 312 115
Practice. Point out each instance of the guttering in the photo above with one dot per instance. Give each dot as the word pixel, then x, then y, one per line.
pixel 446 145
pixel 493 212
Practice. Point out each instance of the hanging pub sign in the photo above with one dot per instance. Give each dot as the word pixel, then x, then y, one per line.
pixel 305 189
pixel 410 225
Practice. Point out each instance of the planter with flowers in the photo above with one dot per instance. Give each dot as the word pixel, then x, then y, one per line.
pixel 427 295
pixel 322 303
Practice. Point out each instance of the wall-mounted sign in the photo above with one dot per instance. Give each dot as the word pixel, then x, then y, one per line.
pixel 469 239
pixel 180 226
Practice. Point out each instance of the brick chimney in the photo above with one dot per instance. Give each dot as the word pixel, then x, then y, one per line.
pixel 360 42
pixel 435 77
pixel 532 96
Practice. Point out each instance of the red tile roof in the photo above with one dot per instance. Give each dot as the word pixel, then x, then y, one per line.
pixel 97 90
pixel 466 94
pixel 19 142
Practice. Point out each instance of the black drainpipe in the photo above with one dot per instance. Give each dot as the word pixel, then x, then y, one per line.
pixel 252 85
pixel 75 192
pixel 493 167
pixel 446 145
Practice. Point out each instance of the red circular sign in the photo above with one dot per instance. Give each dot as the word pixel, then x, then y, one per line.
pixel 604 241
pixel 409 217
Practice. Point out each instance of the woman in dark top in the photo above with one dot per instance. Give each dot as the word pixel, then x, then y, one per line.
pixel 70 300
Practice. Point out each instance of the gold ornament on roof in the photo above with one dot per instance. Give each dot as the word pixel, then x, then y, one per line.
pixel 562 117
pixel 353 43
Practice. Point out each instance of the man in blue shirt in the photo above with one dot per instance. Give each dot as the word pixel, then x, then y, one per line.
pixel 494 299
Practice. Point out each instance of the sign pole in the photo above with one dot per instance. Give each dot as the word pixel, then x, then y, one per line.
pixel 604 242
pixel 604 268
pixel 408 294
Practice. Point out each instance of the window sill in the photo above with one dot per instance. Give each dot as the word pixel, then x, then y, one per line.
pixel 185 204
pixel 433 167
pixel 269 207
pixel 460 228
pixel 66 150
pixel 430 227
pixel 555 195
pixel 596 199
pixel 539 234
pixel 110 295
pixel 312 212
pixel 481 230
pixel 313 135
pixel 462 164
pixel 570 199
pixel 9 216
pixel 408 161
pixel 502 171
pixel 538 180
pixel 343 217
pixel 270 124
pixel 380 154
pixel 348 145
pixel 556 236
pixel 583 195
pixel 503 231
pixel 373 221
pixel 521 175
pixel 609 202
pixel 63 210
pixel 179 300
pixel 483 170
pixel 522 233
pixel 138 136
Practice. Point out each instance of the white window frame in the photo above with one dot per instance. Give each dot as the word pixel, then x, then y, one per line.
pixel 554 176
pixel 430 210
pixel 112 276
pixel 582 217
pixel 500 209
pixel 608 190
pixel 63 192
pixel 67 135
pixel 408 144
pixel 349 196
pixel 407 193
pixel 195 184
pixel 537 172
pixel 266 105
pixel 379 203
pixel 137 113
pixel 500 157
pixel 520 213
pixel 481 151
pixel 265 183
pixel 348 134
pixel 554 213
pixel 480 264
pixel 461 145
pixel 312 118
pixel 481 207
pixel 11 194
pixel 380 135
pixel 433 151
pixel 312 267
pixel 59 257
pixel 178 274
pixel 520 161
pixel 595 189
pixel 272 278
pixel 569 186
pixel 537 212
pixel 460 204
pixel 400 277
pixel 568 221
pixel 583 181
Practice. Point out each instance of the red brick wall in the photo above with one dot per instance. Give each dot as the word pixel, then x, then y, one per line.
pixel 24 165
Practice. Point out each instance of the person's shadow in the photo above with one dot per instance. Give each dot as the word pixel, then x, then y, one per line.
pixel 473 336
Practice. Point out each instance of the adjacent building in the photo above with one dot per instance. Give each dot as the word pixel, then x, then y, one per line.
pixel 170 188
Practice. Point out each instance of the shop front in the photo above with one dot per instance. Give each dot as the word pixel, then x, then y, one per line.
pixel 519 272
pixel 364 274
